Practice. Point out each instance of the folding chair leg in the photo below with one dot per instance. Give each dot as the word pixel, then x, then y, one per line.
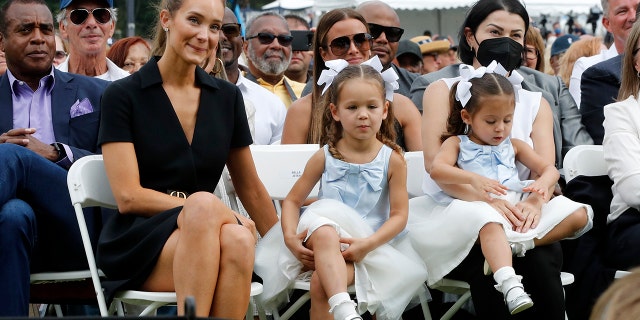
pixel 295 306
pixel 456 306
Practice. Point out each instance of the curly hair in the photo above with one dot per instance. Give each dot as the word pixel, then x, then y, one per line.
pixel 332 130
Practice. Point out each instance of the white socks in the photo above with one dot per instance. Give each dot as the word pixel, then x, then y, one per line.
pixel 342 308
pixel 508 283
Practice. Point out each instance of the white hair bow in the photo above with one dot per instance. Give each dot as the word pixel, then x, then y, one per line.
pixel 335 66
pixel 467 72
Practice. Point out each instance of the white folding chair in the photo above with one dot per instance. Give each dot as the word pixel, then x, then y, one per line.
pixel 586 160
pixel 89 187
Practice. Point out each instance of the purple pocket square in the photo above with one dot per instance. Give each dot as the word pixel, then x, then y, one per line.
pixel 81 107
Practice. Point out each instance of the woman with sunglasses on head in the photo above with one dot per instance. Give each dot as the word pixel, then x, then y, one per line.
pixel 169 130
pixel 344 34
pixel 495 30
pixel 129 53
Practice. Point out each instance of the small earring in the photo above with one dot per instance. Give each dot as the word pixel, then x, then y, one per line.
pixel 466 128
pixel 166 29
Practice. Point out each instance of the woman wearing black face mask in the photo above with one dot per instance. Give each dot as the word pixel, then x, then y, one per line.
pixel 495 30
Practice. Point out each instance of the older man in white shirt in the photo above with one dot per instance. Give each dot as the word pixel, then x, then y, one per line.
pixel 270 110
pixel 87 25
pixel 618 18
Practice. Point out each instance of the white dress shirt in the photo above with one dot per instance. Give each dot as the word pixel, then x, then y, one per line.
pixel 113 71
pixel 583 64
pixel 270 111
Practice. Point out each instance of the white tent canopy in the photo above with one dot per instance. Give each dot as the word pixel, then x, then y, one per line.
pixel 534 7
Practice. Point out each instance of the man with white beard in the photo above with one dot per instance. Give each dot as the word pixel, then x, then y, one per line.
pixel 268 51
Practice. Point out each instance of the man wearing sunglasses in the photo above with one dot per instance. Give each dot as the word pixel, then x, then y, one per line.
pixel 384 26
pixel 270 111
pixel 300 59
pixel 88 25
pixel 268 51
pixel 48 119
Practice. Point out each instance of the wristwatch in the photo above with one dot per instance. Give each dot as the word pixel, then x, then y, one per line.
pixel 62 153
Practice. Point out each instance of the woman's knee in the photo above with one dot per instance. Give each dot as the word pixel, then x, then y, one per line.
pixel 202 212
pixel 237 246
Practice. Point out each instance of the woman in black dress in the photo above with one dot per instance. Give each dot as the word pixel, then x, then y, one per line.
pixel 167 134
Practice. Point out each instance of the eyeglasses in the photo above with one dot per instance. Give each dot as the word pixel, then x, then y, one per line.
pixel 60 55
pixel 231 30
pixel 267 38
pixel 340 45
pixel 530 53
pixel 79 16
pixel 393 34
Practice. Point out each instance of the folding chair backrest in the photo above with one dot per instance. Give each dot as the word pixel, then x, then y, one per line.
pixel 280 166
pixel 88 183
pixel 586 160
pixel 415 172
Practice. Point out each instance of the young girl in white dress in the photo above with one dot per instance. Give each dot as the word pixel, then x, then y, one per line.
pixel 478 151
pixel 355 233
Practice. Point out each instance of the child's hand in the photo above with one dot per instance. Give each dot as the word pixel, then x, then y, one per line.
pixel 539 189
pixel 487 186
pixel 357 249
pixel 297 248
pixel 512 213
pixel 532 216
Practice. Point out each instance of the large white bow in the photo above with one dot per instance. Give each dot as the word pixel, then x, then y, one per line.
pixel 467 72
pixel 335 66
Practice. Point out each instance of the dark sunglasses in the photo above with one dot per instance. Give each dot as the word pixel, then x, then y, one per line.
pixel 231 30
pixel 79 16
pixel 267 38
pixel 340 45
pixel 393 34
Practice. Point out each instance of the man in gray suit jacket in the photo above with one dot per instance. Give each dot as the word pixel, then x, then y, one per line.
pixel 568 130
pixel 48 119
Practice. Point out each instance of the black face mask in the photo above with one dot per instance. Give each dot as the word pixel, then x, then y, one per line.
pixel 503 50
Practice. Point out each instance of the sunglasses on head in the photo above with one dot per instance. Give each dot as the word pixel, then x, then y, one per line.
pixel 393 34
pixel 340 45
pixel 79 16
pixel 267 38
pixel 231 30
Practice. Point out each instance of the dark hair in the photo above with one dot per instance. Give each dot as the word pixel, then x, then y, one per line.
pixel 160 36
pixel 478 13
pixel 299 19
pixel 319 40
pixel 332 129
pixel 490 84
pixel 8 4
pixel 119 50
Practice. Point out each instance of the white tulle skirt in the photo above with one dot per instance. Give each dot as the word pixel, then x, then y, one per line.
pixel 443 235
pixel 386 280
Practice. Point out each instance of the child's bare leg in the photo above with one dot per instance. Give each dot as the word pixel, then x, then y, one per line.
pixel 332 274
pixel 566 228
pixel 495 246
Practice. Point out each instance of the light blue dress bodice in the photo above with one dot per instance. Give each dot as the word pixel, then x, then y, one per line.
pixel 364 187
pixel 494 162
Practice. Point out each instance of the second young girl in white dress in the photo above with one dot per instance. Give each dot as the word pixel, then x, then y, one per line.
pixel 477 150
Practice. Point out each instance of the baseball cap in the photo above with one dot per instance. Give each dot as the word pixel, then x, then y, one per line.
pixel 563 43
pixel 428 45
pixel 66 3
pixel 408 47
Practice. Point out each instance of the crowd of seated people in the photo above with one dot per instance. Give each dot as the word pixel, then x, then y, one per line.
pixel 171 112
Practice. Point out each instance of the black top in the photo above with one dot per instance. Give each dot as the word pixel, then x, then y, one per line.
pixel 138 110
